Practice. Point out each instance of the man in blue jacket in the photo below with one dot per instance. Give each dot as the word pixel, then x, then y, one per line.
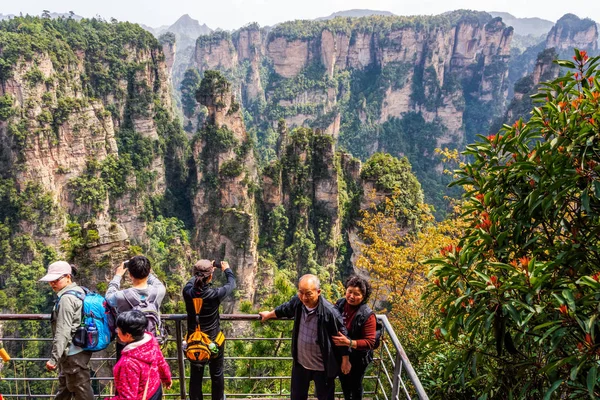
pixel 315 356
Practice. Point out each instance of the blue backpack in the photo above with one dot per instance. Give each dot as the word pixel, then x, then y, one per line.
pixel 97 327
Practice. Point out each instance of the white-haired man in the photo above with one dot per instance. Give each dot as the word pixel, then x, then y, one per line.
pixel 316 358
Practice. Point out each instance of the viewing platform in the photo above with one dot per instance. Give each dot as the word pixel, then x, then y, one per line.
pixel 255 367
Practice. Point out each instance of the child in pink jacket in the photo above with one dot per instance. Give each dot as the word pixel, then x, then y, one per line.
pixel 142 367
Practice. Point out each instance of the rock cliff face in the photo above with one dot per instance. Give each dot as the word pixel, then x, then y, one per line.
pixel 75 140
pixel 572 32
pixel 308 83
pixel 223 205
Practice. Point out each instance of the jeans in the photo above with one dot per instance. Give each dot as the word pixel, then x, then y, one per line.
pixel 217 378
pixel 301 377
pixel 74 378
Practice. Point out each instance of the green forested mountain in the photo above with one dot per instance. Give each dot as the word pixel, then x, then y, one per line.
pixel 403 85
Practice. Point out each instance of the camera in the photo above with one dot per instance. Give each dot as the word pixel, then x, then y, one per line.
pixel 217 263
pixel 126 264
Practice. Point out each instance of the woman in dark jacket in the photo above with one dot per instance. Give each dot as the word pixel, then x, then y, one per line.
pixel 361 323
pixel 199 286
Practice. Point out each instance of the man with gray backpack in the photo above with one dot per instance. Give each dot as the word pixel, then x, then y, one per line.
pixel 145 294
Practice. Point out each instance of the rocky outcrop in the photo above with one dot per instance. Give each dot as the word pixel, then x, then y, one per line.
pixel 572 32
pixel 472 47
pixel 223 205
pixel 65 140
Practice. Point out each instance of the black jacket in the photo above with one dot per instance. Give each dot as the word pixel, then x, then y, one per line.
pixel 211 299
pixel 356 331
pixel 329 324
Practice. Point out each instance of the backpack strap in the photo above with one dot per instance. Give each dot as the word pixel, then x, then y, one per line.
pixel 76 293
pixel 198 301
pixel 130 298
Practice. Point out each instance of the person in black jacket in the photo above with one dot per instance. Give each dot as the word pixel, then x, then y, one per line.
pixel 199 286
pixel 315 356
pixel 361 323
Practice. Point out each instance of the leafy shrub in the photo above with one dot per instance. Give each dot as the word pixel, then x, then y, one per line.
pixel 519 294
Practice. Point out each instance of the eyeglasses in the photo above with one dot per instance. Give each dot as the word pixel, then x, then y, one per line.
pixel 57 280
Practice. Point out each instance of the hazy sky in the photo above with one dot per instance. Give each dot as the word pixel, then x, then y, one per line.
pixel 232 14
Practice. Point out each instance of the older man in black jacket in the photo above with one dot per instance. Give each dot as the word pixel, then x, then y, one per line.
pixel 315 356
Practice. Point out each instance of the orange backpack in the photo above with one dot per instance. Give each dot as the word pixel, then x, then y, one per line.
pixel 200 348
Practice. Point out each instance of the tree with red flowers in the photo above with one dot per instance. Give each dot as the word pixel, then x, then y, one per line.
pixel 520 299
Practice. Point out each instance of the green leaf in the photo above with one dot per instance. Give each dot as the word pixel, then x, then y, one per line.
pixel 568 295
pixel 554 386
pixel 591 381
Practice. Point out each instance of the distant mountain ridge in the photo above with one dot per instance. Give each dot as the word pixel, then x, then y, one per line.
pixel 187 26
pixel 355 13
pixel 525 26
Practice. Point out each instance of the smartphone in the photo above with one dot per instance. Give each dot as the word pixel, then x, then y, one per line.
pixel 126 264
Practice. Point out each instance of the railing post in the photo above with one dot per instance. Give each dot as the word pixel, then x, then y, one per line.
pixel 396 380
pixel 180 363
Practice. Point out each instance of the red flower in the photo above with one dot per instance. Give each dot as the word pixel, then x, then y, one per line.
pixel 437 282
pixel 443 310
pixel 438 333
pixel 471 302
pixel 580 347
pixel 562 104
pixel 563 309
pixel 584 55
pixel 480 197
pixel 494 281
pixel 588 339
pixel 596 277
pixel 446 250
pixel 524 262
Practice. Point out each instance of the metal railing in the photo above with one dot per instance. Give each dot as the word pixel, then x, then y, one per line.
pixel 389 377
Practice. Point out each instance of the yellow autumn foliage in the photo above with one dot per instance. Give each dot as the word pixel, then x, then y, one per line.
pixel 393 256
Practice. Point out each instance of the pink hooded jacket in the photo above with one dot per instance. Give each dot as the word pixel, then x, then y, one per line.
pixel 140 362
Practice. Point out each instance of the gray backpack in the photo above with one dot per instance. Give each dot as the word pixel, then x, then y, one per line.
pixel 147 305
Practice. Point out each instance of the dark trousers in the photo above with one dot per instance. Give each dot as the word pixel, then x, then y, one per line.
pixel 157 395
pixel 352 384
pixel 301 377
pixel 74 378
pixel 217 378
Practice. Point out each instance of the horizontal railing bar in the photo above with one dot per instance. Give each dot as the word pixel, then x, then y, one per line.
pixel 166 317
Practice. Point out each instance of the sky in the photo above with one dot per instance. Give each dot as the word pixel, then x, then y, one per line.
pixel 233 14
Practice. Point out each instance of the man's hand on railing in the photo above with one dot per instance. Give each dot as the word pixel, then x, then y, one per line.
pixel 265 315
